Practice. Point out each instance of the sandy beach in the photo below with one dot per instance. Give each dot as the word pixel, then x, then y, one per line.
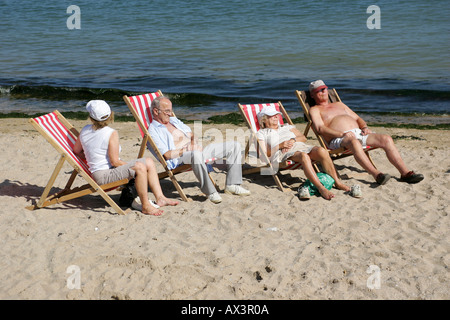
pixel 391 244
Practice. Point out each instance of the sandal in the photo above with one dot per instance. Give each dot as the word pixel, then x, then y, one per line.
pixel 412 177
pixel 382 178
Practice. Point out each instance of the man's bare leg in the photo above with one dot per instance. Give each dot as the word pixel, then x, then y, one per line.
pixel 386 143
pixel 360 156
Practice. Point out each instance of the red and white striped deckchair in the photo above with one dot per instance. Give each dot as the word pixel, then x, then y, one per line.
pixel 306 101
pixel 139 106
pixel 62 136
pixel 250 114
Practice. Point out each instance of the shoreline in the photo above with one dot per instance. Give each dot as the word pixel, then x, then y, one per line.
pixel 420 122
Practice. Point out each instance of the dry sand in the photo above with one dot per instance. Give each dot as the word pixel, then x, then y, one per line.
pixel 270 245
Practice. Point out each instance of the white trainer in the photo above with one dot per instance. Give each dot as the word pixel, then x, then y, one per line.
pixel 356 191
pixel 237 190
pixel 137 205
pixel 215 197
pixel 303 193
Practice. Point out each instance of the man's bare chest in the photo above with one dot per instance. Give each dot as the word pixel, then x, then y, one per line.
pixel 331 112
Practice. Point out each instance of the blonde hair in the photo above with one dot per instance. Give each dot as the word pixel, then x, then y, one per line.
pixel 101 124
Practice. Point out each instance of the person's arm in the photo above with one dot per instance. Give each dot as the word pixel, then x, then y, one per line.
pixel 193 143
pixel 283 146
pixel 299 137
pixel 113 150
pixel 190 146
pixel 176 153
pixel 78 149
pixel 362 125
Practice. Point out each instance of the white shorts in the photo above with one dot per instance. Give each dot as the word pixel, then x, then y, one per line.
pixel 336 142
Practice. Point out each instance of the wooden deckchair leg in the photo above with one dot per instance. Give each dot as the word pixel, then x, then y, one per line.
pixel 69 194
pixel 278 182
pixel 111 202
pixel 103 194
pixel 308 125
pixel 178 187
pixel 143 146
pixel 214 182
pixel 316 168
pixel 370 158
pixel 71 179
pixel 51 181
pixel 247 150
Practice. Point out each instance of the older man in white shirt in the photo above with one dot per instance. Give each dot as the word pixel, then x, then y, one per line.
pixel 176 142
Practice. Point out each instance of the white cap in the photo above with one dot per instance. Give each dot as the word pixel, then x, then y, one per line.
pixel 98 110
pixel 316 86
pixel 268 110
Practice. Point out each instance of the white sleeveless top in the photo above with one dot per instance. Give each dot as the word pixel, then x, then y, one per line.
pixel 95 145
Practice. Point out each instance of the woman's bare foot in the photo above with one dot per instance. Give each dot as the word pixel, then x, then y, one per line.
pixel 326 194
pixel 341 186
pixel 163 201
pixel 152 211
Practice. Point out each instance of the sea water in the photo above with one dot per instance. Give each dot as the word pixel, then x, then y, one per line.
pixel 207 56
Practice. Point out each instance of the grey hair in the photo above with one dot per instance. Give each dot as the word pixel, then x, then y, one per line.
pixel 156 103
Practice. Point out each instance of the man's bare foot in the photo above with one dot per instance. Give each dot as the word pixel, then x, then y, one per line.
pixel 163 201
pixel 152 211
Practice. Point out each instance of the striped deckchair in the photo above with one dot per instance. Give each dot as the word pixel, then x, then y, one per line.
pixel 250 114
pixel 62 136
pixel 139 106
pixel 306 101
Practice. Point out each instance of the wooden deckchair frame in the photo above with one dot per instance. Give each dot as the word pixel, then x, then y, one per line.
pixel 148 140
pixel 69 193
pixel 306 101
pixel 286 165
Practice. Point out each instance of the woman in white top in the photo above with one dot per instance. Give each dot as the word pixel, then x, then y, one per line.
pixel 99 145
pixel 283 143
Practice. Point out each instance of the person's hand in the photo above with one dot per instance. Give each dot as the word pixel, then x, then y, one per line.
pixel 348 135
pixel 194 147
pixel 365 131
pixel 287 144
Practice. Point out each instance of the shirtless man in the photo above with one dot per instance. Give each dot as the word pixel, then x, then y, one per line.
pixel 178 145
pixel 341 127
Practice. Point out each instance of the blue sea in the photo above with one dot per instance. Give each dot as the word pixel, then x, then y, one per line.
pixel 210 55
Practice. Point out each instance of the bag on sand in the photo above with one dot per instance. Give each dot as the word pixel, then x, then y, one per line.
pixel 324 178
pixel 128 194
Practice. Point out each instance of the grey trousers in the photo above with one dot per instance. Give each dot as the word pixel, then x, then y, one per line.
pixel 230 150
